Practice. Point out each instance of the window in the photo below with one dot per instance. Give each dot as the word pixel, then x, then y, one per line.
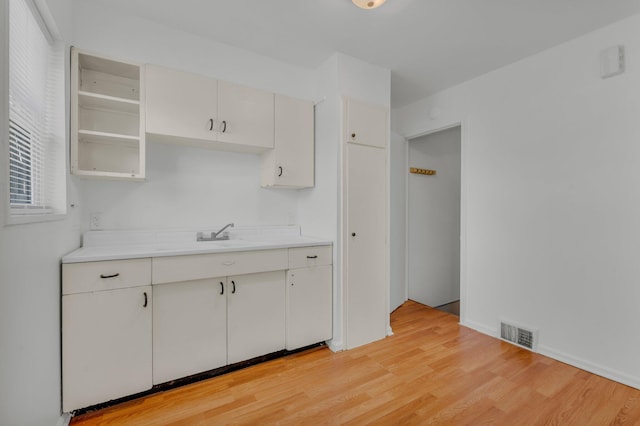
pixel 37 186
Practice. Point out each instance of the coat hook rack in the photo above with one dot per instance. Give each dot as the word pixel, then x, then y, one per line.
pixel 422 171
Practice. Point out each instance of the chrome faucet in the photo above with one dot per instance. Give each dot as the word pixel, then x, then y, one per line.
pixel 214 235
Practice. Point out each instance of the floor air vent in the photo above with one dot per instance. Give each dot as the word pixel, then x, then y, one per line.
pixel 520 336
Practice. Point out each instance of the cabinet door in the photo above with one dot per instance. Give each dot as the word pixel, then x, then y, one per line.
pixel 365 253
pixel 255 315
pixel 189 328
pixel 366 124
pixel 309 306
pixel 180 104
pixel 245 116
pixel 106 346
pixel 291 162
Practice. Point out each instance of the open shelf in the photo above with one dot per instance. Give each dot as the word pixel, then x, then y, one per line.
pixel 98 101
pixel 107 118
pixel 108 154
pixel 111 138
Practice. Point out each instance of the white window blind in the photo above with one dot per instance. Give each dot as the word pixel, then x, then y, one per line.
pixel 36 116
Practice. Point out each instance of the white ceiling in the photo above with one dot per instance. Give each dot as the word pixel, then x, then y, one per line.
pixel 428 45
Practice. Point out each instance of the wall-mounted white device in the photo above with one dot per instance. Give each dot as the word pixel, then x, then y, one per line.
pixel 612 61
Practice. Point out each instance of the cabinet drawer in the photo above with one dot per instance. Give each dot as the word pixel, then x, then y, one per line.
pixel 107 275
pixel 196 267
pixel 302 257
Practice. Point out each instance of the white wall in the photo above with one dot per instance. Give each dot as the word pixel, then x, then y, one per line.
pixel 30 290
pixel 318 206
pixel 398 215
pixel 551 165
pixel 202 187
pixel 434 218
pixel 187 186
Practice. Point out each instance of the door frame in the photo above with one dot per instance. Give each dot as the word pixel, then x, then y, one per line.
pixel 464 184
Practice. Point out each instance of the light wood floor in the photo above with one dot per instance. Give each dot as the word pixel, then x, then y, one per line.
pixel 432 371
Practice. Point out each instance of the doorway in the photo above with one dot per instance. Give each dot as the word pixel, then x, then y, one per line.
pixel 433 215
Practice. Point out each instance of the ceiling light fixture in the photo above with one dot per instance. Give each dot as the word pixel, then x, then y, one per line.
pixel 368 4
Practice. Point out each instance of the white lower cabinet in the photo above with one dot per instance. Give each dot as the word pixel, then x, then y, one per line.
pixel 205 324
pixel 189 328
pixel 106 345
pixel 309 312
pixel 255 315
pixel 113 346
pixel 309 296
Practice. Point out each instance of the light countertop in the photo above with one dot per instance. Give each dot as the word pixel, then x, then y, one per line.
pixel 118 245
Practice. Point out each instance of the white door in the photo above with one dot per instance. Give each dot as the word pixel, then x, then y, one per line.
pixel 245 115
pixel 434 219
pixel 180 103
pixel 366 124
pixel 189 328
pixel 291 162
pixel 365 229
pixel 106 345
pixel 309 301
pixel 255 315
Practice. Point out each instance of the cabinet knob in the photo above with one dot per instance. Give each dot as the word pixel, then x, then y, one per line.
pixel 353 234
pixel 353 135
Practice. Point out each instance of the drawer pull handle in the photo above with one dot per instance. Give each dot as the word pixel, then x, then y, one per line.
pixel 110 276
pixel 146 300
pixel 229 263
pixel 224 126
pixel 280 172
pixel 312 257
pixel 221 287
pixel 233 291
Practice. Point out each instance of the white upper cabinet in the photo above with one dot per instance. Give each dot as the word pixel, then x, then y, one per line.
pixel 107 118
pixel 366 124
pixel 186 107
pixel 291 163
pixel 180 104
pixel 245 116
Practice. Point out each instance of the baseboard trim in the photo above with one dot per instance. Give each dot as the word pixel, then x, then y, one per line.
pixel 64 419
pixel 580 363
pixel 480 328
pixel 335 345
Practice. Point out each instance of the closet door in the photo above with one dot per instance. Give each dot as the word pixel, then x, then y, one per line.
pixel 366 124
pixel 365 245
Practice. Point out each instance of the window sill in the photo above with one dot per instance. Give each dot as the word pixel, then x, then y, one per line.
pixel 23 219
